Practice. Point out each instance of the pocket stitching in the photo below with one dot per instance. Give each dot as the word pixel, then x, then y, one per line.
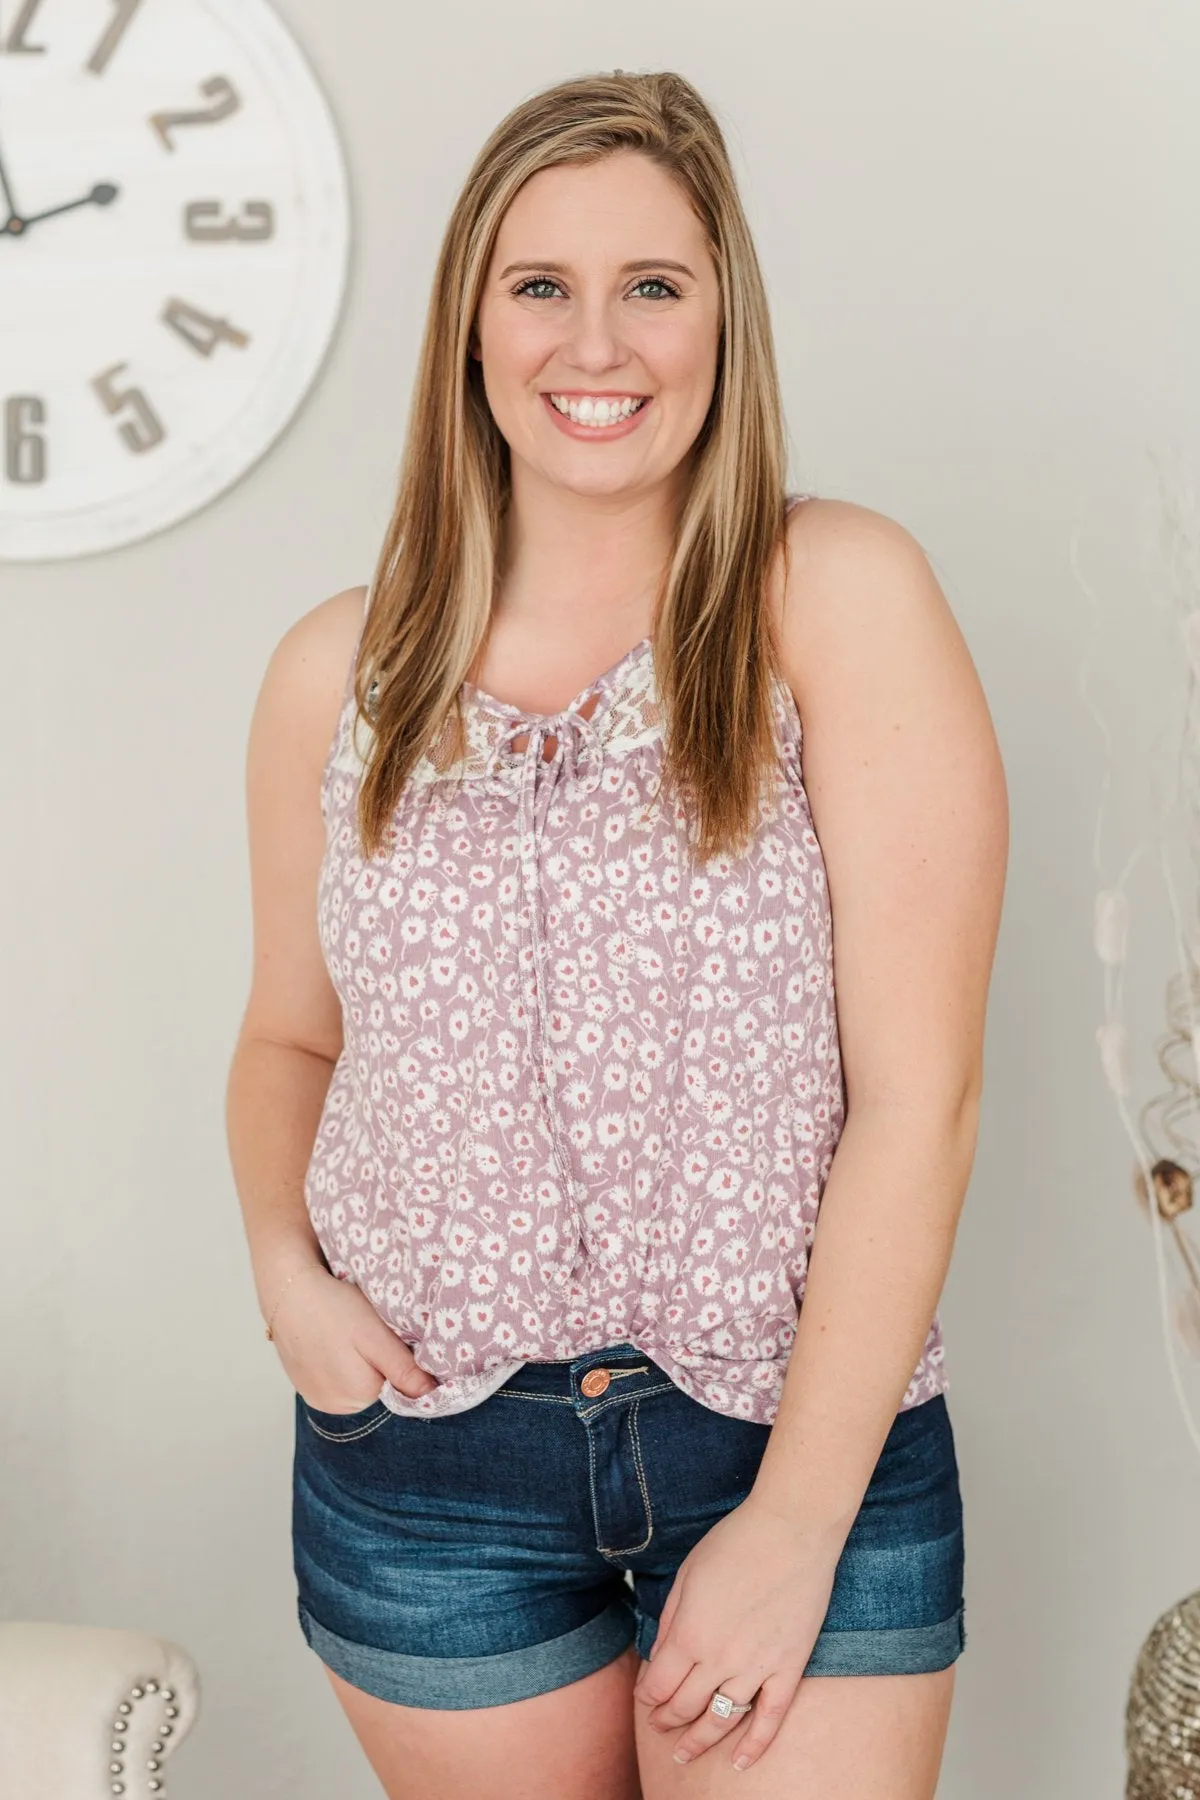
pixel 357 1431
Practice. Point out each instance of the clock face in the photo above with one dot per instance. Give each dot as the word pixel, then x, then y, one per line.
pixel 174 237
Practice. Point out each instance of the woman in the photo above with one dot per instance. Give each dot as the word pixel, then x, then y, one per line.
pixel 541 1077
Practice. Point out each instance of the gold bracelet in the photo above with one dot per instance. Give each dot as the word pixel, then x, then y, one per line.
pixel 307 1269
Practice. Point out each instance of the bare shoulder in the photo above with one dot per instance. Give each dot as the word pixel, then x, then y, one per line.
pixel 849 570
pixel 305 680
pixel 856 607
pixel 313 655
pixel 872 651
pixel 906 786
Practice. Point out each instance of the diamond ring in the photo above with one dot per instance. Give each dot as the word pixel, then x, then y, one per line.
pixel 725 1708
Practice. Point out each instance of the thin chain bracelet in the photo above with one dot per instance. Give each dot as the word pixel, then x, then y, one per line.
pixel 308 1269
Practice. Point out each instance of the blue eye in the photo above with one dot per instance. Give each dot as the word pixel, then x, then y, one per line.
pixel 659 281
pixel 535 281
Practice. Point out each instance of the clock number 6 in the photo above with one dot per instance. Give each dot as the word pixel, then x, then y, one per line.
pixel 24 449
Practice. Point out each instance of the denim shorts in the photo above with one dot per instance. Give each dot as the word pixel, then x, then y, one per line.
pixel 489 1555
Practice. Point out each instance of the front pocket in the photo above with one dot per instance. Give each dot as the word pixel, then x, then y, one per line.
pixel 347 1427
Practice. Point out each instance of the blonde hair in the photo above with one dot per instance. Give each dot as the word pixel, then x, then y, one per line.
pixel 436 575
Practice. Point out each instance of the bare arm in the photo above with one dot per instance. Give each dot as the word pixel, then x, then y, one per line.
pixel 903 774
pixel 333 1344
pixel 908 797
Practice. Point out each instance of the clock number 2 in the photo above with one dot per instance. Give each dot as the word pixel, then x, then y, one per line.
pixel 224 99
pixel 145 429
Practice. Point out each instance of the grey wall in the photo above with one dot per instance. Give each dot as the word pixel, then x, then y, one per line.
pixel 977 224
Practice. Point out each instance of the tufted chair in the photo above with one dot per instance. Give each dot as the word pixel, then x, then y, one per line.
pixel 88 1712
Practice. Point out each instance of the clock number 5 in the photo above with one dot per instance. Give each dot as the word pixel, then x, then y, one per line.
pixel 145 429
pixel 224 99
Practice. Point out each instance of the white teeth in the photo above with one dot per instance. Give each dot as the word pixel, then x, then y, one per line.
pixel 597 412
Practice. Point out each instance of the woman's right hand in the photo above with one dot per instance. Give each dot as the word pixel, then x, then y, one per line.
pixel 337 1350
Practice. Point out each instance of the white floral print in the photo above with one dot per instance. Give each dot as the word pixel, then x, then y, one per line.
pixel 588 1091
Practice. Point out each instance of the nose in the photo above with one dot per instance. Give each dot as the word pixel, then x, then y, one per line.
pixel 594 342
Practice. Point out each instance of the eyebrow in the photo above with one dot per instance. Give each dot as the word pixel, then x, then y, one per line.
pixel 557 268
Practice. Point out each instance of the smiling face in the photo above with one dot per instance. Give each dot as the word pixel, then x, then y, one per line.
pixel 598 327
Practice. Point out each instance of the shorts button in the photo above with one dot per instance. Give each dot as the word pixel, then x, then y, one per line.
pixel 595 1382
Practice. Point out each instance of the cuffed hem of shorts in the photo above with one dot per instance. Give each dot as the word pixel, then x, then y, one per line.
pixel 914 1650
pixel 917 1650
pixel 460 1682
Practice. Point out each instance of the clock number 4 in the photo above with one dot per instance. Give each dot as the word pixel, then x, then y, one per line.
pixel 201 330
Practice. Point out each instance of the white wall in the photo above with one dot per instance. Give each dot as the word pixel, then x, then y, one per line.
pixel 978 227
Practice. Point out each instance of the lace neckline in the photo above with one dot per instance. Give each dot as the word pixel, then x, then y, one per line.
pixel 478 698
pixel 628 716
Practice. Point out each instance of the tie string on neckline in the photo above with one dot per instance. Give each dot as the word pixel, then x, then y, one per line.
pixel 578 759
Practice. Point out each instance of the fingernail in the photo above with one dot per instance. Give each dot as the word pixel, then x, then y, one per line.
pixel 742 1762
pixel 681 1756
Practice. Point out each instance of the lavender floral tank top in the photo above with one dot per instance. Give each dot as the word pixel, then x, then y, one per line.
pixel 587 1093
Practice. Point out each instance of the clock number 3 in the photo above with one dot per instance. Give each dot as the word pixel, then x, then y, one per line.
pixel 202 222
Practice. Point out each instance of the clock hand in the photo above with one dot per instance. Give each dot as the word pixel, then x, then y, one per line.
pixel 103 194
pixel 14 222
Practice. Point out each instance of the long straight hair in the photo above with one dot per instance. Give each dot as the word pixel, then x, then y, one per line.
pixel 435 579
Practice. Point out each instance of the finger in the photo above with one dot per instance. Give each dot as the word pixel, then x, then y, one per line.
pixel 396 1360
pixel 703 1733
pixel 412 1380
pixel 659 1679
pixel 689 1704
pixel 771 1704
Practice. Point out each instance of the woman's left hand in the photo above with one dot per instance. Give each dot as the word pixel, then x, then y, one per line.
pixel 742 1616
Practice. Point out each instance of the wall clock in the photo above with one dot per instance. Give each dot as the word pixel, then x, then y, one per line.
pixel 174 241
